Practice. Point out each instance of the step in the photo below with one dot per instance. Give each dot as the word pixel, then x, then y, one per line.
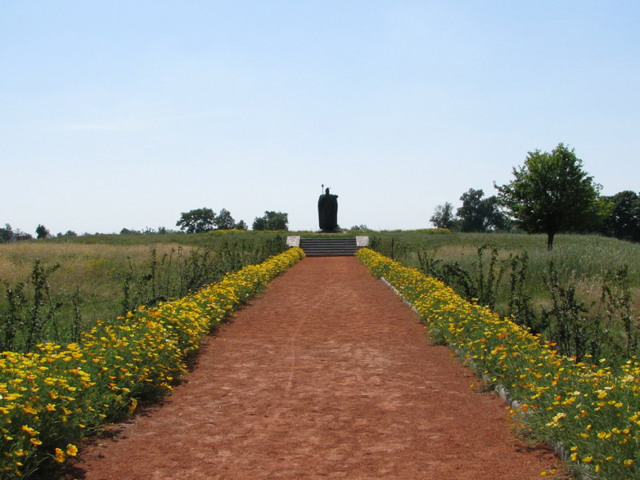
pixel 328 247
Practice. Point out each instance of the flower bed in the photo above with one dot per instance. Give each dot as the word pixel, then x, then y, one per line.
pixel 51 398
pixel 591 411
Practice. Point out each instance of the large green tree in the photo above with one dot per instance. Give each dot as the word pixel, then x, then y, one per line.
pixel 443 216
pixel 6 233
pixel 224 220
pixel 197 221
pixel 479 214
pixel 623 220
pixel 42 232
pixel 271 221
pixel 550 193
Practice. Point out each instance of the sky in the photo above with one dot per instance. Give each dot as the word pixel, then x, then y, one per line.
pixel 124 114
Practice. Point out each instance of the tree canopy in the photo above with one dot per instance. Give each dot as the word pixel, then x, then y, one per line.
pixel 623 219
pixel 443 216
pixel 197 221
pixel 42 232
pixel 550 193
pixel 224 220
pixel 479 214
pixel 271 221
pixel 205 219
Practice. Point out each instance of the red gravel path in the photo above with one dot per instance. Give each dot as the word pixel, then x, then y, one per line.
pixel 326 375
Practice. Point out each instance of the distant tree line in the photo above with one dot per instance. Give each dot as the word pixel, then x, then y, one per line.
pixel 8 234
pixel 205 219
pixel 550 193
pixel 198 220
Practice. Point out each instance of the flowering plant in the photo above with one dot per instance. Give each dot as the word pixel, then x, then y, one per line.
pixel 52 397
pixel 591 411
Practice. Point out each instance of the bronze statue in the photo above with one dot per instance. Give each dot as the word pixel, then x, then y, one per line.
pixel 328 211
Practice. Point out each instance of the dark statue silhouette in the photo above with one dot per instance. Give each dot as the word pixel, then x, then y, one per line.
pixel 328 212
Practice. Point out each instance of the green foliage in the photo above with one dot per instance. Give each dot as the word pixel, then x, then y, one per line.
pixel 224 220
pixel 478 285
pixel 616 296
pixel 571 328
pixel 271 221
pixel 6 233
pixel 551 193
pixel 241 225
pixel 197 221
pixel 443 216
pixel 479 214
pixel 42 232
pixel 584 296
pixel 86 283
pixel 30 310
pixel 622 220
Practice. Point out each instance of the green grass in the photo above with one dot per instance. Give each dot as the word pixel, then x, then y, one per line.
pixel 156 265
pixel 582 264
pixel 97 268
pixel 583 258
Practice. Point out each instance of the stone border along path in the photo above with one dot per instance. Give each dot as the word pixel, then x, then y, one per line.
pixel 327 374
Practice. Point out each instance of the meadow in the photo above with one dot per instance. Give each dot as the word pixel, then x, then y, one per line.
pixel 586 290
pixel 584 295
pixel 52 290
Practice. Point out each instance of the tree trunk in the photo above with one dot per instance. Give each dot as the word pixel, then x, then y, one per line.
pixel 550 236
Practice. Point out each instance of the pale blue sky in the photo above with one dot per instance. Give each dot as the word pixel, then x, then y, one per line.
pixel 125 113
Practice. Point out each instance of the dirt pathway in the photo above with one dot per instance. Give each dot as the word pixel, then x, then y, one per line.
pixel 326 375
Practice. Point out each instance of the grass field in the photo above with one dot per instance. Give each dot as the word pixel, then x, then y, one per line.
pixel 585 259
pixel 583 266
pixel 100 276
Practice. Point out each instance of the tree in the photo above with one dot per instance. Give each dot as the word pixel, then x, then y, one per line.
pixel 623 220
pixel 443 216
pixel 6 233
pixel 19 235
pixel 479 214
pixel 271 221
pixel 224 220
pixel 41 232
pixel 550 193
pixel 197 221
pixel 241 225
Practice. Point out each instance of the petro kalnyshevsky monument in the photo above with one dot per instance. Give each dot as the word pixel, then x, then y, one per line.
pixel 328 211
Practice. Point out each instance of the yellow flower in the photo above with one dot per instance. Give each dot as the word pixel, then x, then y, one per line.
pixel 29 430
pixel 72 450
pixel 60 457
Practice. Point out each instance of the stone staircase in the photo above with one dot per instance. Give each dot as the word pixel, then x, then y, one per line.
pixel 329 247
